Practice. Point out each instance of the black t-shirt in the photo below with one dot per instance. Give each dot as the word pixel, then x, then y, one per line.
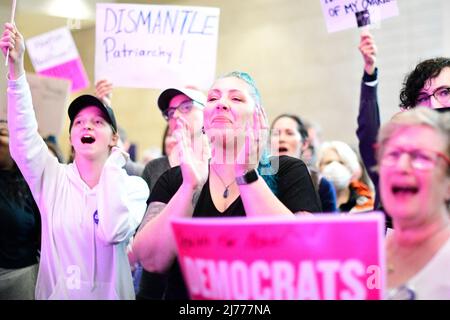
pixel 20 224
pixel 295 190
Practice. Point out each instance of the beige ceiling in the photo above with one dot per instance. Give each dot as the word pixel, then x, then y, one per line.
pixel 80 9
pixel 38 16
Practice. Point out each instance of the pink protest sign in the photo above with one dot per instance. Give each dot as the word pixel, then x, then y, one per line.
pixel 55 54
pixel 71 70
pixel 338 257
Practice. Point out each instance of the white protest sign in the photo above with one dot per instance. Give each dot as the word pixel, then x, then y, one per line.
pixel 55 54
pixel 50 100
pixel 342 14
pixel 156 46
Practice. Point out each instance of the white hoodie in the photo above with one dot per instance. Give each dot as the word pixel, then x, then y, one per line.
pixel 84 231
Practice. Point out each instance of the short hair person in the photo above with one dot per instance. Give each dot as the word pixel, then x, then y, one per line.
pixel 415 189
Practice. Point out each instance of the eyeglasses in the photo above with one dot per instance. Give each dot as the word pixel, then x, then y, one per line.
pixel 442 95
pixel 184 107
pixel 420 159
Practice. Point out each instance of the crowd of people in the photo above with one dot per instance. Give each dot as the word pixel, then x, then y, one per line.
pixel 98 227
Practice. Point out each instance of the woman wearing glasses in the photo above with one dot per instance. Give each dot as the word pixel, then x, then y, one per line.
pixel 428 85
pixel 414 166
pixel 238 180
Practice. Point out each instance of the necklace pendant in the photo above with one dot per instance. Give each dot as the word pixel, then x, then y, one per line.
pixel 225 193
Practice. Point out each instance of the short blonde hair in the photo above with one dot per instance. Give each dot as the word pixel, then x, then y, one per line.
pixel 346 154
pixel 419 116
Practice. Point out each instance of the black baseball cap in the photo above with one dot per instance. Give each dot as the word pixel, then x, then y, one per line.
pixel 443 110
pixel 168 94
pixel 88 100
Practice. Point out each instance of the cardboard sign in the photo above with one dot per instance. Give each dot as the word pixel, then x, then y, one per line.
pixel 54 54
pixel 346 14
pixel 311 257
pixel 50 100
pixel 156 46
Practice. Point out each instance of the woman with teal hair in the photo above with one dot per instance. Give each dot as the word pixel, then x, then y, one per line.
pixel 238 179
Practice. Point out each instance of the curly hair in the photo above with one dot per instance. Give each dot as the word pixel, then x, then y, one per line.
pixel 415 81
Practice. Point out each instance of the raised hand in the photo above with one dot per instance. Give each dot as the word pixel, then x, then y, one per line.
pixel 368 50
pixel 256 135
pixel 12 39
pixel 118 157
pixel 103 91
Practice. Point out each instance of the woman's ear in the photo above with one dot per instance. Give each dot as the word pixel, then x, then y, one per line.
pixel 114 140
pixel 305 146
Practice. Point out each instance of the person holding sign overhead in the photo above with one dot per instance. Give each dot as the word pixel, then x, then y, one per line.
pixel 89 208
pixel 427 85
pixel 369 118
pixel 415 189
pixel 239 179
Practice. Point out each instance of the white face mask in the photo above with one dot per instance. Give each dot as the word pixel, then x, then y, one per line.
pixel 338 174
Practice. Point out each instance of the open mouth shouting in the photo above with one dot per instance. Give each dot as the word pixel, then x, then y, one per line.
pixel 87 139
pixel 282 150
pixel 404 190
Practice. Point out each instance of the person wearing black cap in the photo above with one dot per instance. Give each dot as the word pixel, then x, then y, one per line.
pixel 89 208
pixel 174 103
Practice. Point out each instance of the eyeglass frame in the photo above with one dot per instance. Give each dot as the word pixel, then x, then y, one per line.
pixel 424 95
pixel 412 157
pixel 191 102
pixel 403 292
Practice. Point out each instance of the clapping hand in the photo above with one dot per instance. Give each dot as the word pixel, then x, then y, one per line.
pixel 193 163
pixel 256 134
